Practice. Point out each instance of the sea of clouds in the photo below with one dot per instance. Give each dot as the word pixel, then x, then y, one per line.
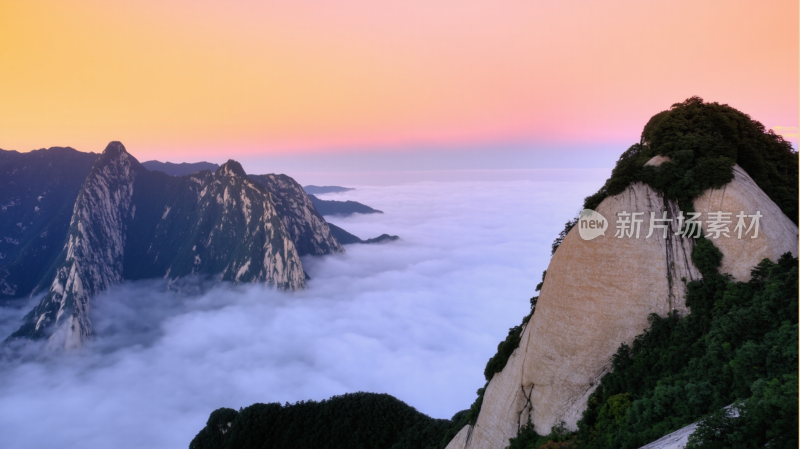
pixel 417 318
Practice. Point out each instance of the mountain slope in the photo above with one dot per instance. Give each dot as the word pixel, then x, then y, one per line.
pixel 91 260
pixel 221 223
pixel 599 293
pixel 300 218
pixel 131 223
pixel 38 190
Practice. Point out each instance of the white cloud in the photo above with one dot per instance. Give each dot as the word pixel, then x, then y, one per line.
pixel 417 319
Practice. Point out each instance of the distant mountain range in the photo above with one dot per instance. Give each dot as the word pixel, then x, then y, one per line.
pixel 73 224
pixel 346 238
pixel 318 190
pixel 343 208
pixel 182 169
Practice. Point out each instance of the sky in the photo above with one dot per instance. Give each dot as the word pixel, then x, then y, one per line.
pixel 358 83
pixel 417 318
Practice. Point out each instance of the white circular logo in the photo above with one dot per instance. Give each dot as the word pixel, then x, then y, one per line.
pixel 591 224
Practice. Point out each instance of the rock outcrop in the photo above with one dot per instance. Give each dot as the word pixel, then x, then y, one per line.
pixel 92 256
pixel 675 440
pixel 300 218
pixel 598 294
pixel 131 223
pixel 222 224
pixel 776 234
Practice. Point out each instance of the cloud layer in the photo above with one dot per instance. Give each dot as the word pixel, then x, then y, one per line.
pixel 417 319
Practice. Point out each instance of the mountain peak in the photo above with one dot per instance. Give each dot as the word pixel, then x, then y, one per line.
pixel 231 168
pixel 115 148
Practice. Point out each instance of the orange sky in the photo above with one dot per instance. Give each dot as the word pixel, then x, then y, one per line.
pixel 191 80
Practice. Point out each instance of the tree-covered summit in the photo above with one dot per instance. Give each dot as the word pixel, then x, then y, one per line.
pixel 350 421
pixel 704 141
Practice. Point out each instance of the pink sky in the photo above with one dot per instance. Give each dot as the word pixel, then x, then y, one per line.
pixel 179 80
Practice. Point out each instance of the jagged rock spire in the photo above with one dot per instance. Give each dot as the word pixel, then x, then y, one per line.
pixel 115 148
pixel 231 168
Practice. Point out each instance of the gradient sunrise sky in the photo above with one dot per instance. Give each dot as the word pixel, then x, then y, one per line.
pixel 183 80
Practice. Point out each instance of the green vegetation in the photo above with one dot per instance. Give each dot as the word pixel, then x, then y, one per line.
pixel 563 234
pixel 504 351
pixel 738 345
pixel 351 421
pixel 706 257
pixel 767 419
pixel 704 141
pixel 558 438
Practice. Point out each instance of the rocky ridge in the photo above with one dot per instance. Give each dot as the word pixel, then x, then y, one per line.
pixel 92 256
pixel 300 218
pixel 598 294
pixel 131 223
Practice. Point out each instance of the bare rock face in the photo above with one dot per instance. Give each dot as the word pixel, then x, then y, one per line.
pixel 129 223
pixel 598 293
pixel 658 160
pixel 462 438
pixel 235 231
pixel 506 405
pixel 775 234
pixel 98 221
pixel 675 440
pixel 309 231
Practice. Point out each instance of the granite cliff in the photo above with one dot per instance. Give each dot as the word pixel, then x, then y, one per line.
pixel 587 309
pixel 598 293
pixel 111 219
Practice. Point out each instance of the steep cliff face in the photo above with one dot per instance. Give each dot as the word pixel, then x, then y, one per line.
pixel 92 257
pixel 776 234
pixel 242 211
pixel 130 223
pixel 222 223
pixel 308 230
pixel 598 294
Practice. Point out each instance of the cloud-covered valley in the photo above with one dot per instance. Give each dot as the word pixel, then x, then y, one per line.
pixel 417 318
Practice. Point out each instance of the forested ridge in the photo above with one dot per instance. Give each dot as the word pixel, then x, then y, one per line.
pixel 350 421
pixel 703 142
